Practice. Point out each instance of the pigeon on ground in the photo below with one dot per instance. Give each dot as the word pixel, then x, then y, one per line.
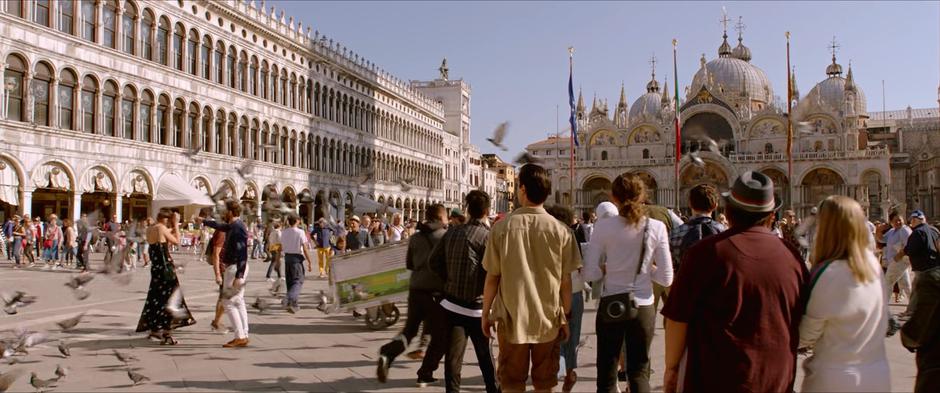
pixel 7 378
pixel 246 169
pixel 276 287
pixel 81 294
pixel 322 307
pixel 79 281
pixel 498 134
pixel 124 357
pixel 260 305
pixel 41 385
pixel 64 349
pixel 70 323
pixel 136 377
pixel 61 372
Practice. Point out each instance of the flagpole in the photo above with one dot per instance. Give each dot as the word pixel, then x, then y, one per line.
pixel 573 130
pixel 789 127
pixel 675 77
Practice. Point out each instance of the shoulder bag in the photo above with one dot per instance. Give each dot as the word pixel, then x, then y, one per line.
pixel 622 306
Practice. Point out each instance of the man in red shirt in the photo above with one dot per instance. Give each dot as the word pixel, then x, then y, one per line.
pixel 734 309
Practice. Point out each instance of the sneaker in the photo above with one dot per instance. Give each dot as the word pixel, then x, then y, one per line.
pixel 381 370
pixel 424 382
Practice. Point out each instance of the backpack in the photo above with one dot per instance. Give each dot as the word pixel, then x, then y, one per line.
pixel 699 228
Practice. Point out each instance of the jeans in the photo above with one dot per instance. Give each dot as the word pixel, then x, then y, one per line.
pixel 275 265
pixel 569 349
pixel 17 249
pixel 256 250
pixel 463 327
pixel 9 247
pixel 235 306
pixel 69 252
pixel 422 308
pixel 294 267
pixel 899 272
pixel 636 334
pixel 28 251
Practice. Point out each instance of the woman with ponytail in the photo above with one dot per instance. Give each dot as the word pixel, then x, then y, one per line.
pixel 627 254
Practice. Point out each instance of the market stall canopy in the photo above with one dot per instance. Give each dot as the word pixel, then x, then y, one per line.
pixel 173 191
pixel 363 204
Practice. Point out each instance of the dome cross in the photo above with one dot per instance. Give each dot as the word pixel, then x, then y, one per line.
pixel 653 65
pixel 740 27
pixel 834 48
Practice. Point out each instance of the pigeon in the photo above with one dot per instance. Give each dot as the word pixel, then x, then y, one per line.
pixel 64 349
pixel 136 377
pixel 322 307
pixel 498 134
pixel 260 305
pixel 276 287
pixel 79 281
pixel 61 372
pixel 41 385
pixel 29 339
pixel 405 184
pixel 5 350
pixel 10 310
pixel 124 357
pixel 192 153
pixel 696 160
pixel 174 305
pixel 526 158
pixel 245 170
pixel 14 300
pixel 81 294
pixel 7 378
pixel 70 323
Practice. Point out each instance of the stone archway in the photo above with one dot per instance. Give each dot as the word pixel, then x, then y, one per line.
pixel 651 186
pixel 818 184
pixel 595 190
pixel 11 178
pixel 55 187
pixel 781 183
pixel 709 125
pixel 693 175
pixel 137 195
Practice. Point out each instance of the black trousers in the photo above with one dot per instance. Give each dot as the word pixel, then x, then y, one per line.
pixel 920 332
pixel 294 264
pixel 636 335
pixel 422 308
pixel 461 328
pixel 80 254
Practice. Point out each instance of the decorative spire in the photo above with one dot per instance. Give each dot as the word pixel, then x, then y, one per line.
pixel 580 101
pixel 834 69
pixel 849 80
pixel 741 52
pixel 725 49
pixel 665 101
pixel 623 98
pixel 793 89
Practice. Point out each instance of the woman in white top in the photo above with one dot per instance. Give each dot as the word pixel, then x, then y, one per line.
pixel 395 230
pixel 617 247
pixel 846 319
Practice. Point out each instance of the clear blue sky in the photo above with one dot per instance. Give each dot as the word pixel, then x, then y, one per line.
pixel 514 53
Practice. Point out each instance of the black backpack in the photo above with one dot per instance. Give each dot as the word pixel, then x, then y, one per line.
pixel 700 228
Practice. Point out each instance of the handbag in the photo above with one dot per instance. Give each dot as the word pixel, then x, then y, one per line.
pixel 622 306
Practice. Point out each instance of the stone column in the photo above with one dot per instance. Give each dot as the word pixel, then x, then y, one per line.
pixel 3 90
pixel 27 207
pixel 99 21
pixel 197 128
pixel 99 113
pixel 184 129
pixel 28 96
pixel 211 131
pixel 225 142
pixel 76 207
pixel 54 102
pixel 118 206
pixel 79 111
pixel 119 30
pixel 119 113
pixel 137 131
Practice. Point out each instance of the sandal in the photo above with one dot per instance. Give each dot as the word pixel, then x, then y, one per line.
pixel 155 336
pixel 169 340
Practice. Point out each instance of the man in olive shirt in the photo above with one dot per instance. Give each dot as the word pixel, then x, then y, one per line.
pixel 529 259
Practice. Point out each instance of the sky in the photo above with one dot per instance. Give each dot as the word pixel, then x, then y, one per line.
pixel 514 54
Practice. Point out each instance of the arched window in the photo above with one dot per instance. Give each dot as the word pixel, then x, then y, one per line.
pixel 219 62
pixel 109 22
pixel 67 100
pixel 129 28
pixel 285 148
pixel 127 112
pixel 253 150
pixel 244 139
pixel 253 77
pixel 88 19
pixel 146 113
pixel 146 33
pixel 41 13
pixel 309 97
pixel 178 108
pixel 163 41
pixel 232 75
pixel 191 51
pixel 89 105
pixel 264 79
pixel 204 58
pixel 178 36
pixel 161 136
pixel 768 148
pixel 108 103
pixel 646 153
pixel 66 16
pixel 15 7
pixel 39 88
pixel 604 155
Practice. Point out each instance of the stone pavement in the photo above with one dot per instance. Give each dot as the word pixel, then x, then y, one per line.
pixel 309 351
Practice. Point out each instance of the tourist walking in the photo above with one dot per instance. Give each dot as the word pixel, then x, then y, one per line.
pixel 845 318
pixel 569 348
pixel 422 307
pixel 629 254
pixel 31 230
pixel 216 244
pixel 157 318
pixel 69 241
pixel 8 226
pixel 235 261
pixel 19 239
pixel 703 200
pixel 529 260
pixel 899 265
pixel 736 303
pixel 322 236
pixel 919 334
pixel 457 259
pixel 274 252
pixel 296 250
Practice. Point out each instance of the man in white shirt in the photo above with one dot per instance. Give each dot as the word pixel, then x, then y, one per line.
pixel 899 265
pixel 295 249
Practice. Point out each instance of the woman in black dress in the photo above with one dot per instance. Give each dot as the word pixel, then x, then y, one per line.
pixel 159 317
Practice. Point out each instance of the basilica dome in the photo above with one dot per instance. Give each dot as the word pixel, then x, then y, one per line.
pixel 732 77
pixel 830 93
pixel 647 107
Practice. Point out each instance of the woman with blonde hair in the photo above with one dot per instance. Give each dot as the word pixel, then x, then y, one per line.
pixel 629 252
pixel 846 318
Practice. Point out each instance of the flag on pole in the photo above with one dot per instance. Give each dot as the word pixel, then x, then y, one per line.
pixel 789 113
pixel 675 79
pixel 571 118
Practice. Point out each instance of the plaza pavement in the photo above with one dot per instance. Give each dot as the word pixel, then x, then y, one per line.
pixel 309 351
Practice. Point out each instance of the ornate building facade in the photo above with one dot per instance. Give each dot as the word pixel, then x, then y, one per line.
pixel 103 98
pixel 731 122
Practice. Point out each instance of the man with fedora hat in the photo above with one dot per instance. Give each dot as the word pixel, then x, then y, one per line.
pixel 735 306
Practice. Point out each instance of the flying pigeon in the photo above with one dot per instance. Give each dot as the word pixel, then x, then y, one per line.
pixel 124 357
pixel 526 158
pixel 405 184
pixel 174 305
pixel 70 323
pixel 498 134
pixel 79 281
pixel 136 377
pixel 260 305
pixel 246 169
pixel 276 287
pixel 192 153
pixel 696 160
pixel 81 294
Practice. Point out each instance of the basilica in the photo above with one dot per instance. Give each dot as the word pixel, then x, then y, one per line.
pixel 731 121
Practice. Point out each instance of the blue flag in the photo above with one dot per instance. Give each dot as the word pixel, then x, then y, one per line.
pixel 571 118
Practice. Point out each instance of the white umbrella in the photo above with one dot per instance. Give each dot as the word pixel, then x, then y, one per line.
pixel 174 191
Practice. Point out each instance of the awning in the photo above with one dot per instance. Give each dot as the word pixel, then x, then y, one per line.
pixel 363 204
pixel 9 185
pixel 174 191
